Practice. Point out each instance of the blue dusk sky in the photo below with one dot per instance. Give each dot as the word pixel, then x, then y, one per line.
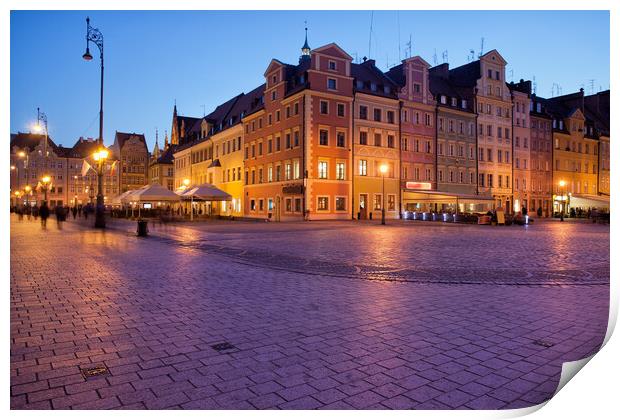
pixel 203 58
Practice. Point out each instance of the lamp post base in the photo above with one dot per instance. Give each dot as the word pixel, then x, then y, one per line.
pixel 382 216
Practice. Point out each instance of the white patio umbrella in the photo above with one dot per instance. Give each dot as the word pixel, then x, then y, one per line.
pixel 204 192
pixel 151 193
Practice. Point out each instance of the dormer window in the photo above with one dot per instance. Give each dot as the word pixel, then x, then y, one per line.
pixel 373 87
pixel 464 104
pixel 273 95
pixel 359 84
pixel 274 79
pixel 230 121
pixel 561 125
pixel 332 65
pixel 454 102
pixel 386 90
pixel 443 99
pixel 331 84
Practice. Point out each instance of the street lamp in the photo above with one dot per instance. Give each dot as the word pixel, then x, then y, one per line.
pixel 100 157
pixel 45 181
pixel 186 182
pixel 383 169
pixel 562 184
pixel 94 35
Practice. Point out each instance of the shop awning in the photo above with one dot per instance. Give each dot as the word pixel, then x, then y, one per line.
pixel 589 201
pixel 426 196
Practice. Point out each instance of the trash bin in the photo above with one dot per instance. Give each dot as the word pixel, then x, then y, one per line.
pixel 142 228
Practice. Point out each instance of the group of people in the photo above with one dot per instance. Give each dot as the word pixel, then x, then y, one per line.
pixel 43 211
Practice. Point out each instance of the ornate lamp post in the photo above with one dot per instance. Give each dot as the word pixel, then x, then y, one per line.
pixel 383 169
pixel 45 181
pixel 100 157
pixel 562 184
pixel 94 35
pixel 186 182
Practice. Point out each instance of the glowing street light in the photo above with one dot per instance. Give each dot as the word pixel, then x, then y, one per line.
pixel 45 181
pixel 100 157
pixel 383 169
pixel 186 182
pixel 562 184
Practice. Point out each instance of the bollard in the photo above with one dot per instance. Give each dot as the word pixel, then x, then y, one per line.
pixel 142 228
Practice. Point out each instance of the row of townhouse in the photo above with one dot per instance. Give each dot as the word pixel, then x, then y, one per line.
pixel 72 181
pixel 332 139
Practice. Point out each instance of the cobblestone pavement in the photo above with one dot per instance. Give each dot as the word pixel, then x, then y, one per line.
pixel 259 315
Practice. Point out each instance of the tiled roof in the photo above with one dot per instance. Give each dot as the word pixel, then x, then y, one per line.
pixel 466 75
pixel 31 141
pixel 369 79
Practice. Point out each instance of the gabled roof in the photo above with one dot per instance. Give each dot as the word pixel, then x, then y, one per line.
pixel 84 148
pixel 333 49
pixel 122 137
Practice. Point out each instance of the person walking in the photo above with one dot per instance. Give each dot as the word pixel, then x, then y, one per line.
pixel 44 211
pixel 20 213
pixel 60 216
pixel 35 212
pixel 74 212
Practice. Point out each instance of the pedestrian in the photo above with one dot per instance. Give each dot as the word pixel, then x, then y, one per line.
pixel 35 212
pixel 28 211
pixel 44 212
pixel 60 216
pixel 74 211
pixel 80 211
pixel 524 211
pixel 539 212
pixel 20 213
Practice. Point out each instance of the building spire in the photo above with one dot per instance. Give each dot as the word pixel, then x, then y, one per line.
pixel 305 49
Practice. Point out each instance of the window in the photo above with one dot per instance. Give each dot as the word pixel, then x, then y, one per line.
pixel 323 203
pixel 363 167
pixel 296 173
pixel 390 117
pixel 377 114
pixel 332 65
pixel 324 107
pixel 404 144
pixel 378 139
pixel 322 170
pixel 269 174
pixel 391 202
pixel 278 115
pixel 377 203
pixel 298 205
pixel 287 171
pixel 331 84
pixel 277 143
pixel 288 112
pixel 341 204
pixel 289 207
pixel 490 180
pixel 287 136
pixel 340 139
pixel 296 108
pixel 363 137
pixel 323 138
pixel 273 95
pixel 296 138
pixel 363 112
pixel 340 171
pixel 443 99
pixel 269 146
pixel 340 109
pixel 416 87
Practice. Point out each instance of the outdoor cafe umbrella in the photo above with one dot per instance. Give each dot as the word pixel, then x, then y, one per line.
pixel 204 192
pixel 150 193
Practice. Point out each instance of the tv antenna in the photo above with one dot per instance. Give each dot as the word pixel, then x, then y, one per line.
pixel 444 56
pixel 398 24
pixel 534 84
pixel 409 47
pixel 471 55
pixel 204 110
pixel 481 47
pixel 591 86
pixel 435 57
pixel 370 32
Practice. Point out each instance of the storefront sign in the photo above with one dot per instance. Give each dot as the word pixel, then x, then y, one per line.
pixel 418 185
pixel 293 189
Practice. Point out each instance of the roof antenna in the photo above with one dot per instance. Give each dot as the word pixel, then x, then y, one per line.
pixel 410 47
pixel 481 47
pixel 471 55
pixel 435 57
pixel 444 56
pixel 203 110
pixel 370 33
pixel 534 84
pixel 591 86
pixel 398 24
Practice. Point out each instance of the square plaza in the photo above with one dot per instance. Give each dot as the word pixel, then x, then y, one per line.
pixel 238 315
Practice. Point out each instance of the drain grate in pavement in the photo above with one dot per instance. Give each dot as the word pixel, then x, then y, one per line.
pixel 223 346
pixel 94 371
pixel 543 343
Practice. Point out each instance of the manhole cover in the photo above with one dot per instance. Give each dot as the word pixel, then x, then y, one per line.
pixel 94 371
pixel 543 343
pixel 223 346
